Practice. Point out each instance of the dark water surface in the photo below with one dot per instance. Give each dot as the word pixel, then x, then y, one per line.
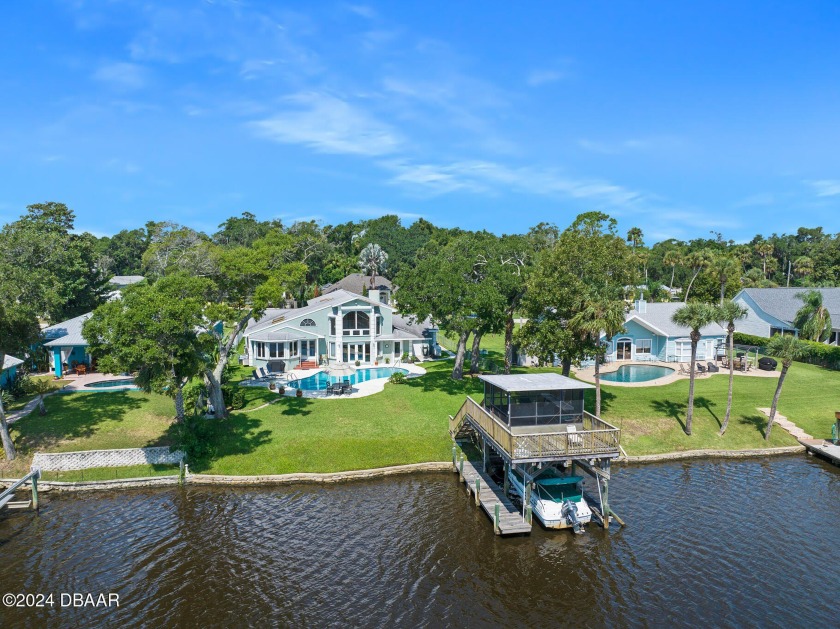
pixel 711 543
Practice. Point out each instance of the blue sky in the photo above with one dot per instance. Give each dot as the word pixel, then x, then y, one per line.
pixel 672 116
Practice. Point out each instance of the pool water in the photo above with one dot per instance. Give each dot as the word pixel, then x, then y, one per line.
pixel 637 373
pixel 321 380
pixel 112 384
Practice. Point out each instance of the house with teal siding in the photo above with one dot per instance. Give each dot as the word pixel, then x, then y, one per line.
pixel 9 370
pixel 66 345
pixel 340 326
pixel 650 335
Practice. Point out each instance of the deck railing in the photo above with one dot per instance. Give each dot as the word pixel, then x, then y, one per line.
pixel 597 436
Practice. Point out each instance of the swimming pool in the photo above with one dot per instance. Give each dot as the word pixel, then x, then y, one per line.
pixel 122 384
pixel 321 380
pixel 637 373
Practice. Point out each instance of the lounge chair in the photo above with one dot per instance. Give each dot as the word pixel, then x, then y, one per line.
pixel 701 369
pixel 712 368
pixel 574 438
pixel 684 370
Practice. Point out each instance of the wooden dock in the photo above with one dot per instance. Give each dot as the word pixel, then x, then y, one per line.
pixel 493 500
pixel 823 448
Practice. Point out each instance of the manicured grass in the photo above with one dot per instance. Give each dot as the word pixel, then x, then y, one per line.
pixel 408 423
pixel 112 473
pixel 25 399
pixel 652 418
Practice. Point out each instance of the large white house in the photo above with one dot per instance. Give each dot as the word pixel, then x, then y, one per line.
pixel 340 326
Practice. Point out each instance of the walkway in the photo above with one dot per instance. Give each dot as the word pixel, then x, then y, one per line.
pixel 490 497
pixel 795 431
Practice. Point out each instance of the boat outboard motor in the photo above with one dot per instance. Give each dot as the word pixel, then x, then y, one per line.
pixel 569 511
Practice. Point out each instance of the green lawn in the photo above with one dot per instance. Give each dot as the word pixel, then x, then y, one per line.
pixel 24 399
pixel 112 473
pixel 408 423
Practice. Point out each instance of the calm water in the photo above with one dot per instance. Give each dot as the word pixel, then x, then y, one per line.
pixel 709 543
pixel 125 383
pixel 636 373
pixel 321 379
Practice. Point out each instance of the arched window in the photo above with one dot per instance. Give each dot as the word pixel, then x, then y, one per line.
pixel 307 323
pixel 356 321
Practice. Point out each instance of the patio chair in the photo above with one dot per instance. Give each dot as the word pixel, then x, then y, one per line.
pixel 346 387
pixel 712 368
pixel 684 370
pixel 701 369
pixel 574 438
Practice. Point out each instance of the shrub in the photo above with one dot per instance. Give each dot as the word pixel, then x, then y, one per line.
pixel 195 436
pixel 358 363
pixel 387 361
pixel 818 353
pixel 193 393
pixel 234 396
pixel 398 377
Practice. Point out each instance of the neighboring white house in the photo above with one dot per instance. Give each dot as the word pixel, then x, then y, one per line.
pixel 772 310
pixel 651 335
pixel 340 326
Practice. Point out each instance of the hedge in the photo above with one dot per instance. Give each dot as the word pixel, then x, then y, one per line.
pixel 818 353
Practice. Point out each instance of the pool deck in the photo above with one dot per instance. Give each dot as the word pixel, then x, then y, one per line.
pixel 78 383
pixel 587 374
pixel 363 389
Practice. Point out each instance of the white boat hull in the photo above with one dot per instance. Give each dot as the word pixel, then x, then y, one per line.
pixel 550 513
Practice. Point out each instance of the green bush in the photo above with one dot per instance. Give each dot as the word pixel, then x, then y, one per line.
pixel 195 436
pixel 192 393
pixel 234 396
pixel 818 353
pixel 398 377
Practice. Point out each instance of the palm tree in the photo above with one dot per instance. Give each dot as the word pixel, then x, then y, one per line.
pixel 372 260
pixel 696 261
pixel 730 312
pixel 672 258
pixel 786 348
pixel 643 256
pixel 722 267
pixel 764 249
pixel 598 313
pixel 813 320
pixel 694 316
pixel 803 266
pixel 635 235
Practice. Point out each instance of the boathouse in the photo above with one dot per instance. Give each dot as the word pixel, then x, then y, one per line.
pixel 531 423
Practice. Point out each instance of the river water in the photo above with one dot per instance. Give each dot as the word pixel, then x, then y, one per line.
pixel 712 543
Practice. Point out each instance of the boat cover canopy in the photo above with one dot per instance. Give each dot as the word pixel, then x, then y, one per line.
pixel 563 480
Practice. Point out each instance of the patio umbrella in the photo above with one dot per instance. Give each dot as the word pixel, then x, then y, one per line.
pixel 340 370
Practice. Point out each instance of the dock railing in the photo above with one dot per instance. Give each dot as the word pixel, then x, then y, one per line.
pixel 597 437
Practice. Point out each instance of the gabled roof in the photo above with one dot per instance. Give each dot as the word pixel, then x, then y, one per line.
pixel 318 303
pixel 417 329
pixel 355 283
pixel 783 303
pixel 67 332
pixel 125 280
pixel 10 361
pixel 657 318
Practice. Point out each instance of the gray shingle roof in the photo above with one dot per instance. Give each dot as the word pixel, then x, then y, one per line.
pixel 414 329
pixel 10 361
pixel 659 315
pixel 783 304
pixel 324 301
pixel 125 280
pixel 355 282
pixel 67 332
pixel 535 382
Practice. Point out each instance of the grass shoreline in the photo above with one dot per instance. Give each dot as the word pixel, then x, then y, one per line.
pixel 407 423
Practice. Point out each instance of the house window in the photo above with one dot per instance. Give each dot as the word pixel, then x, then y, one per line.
pixel 355 323
pixel 379 325
pixel 643 346
pixel 281 349
pixel 332 350
pixel 259 349
pixel 272 350
pixel 307 323
pixel 293 349
pixel 332 326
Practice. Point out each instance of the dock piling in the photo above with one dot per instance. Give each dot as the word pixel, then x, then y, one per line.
pixel 35 478
pixel 529 515
pixel 496 519
pixel 478 492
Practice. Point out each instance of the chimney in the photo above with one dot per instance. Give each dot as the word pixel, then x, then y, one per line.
pixel 641 304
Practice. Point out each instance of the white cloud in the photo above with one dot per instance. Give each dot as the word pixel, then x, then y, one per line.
pixel 371 211
pixel 123 76
pixel 825 187
pixel 328 124
pixel 542 77
pixel 491 178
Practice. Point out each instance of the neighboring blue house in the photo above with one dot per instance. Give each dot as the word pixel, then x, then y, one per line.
pixel 342 326
pixel 650 335
pixel 9 370
pixel 66 345
pixel 772 310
